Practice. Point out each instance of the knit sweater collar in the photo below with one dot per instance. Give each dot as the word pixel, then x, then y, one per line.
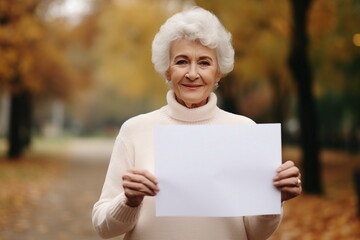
pixel 179 112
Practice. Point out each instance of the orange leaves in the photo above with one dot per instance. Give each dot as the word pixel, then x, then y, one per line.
pixel 319 218
pixel 31 57
pixel 330 217
pixel 123 47
pixel 9 57
pixel 29 29
pixel 322 17
pixel 261 39
pixel 22 183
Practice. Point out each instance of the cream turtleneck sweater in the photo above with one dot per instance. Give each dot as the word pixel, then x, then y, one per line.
pixel 133 148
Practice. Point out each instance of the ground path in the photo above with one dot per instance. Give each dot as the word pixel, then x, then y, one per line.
pixel 64 212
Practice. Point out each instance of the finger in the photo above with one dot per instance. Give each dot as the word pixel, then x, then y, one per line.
pixel 287 182
pixel 139 183
pixel 138 187
pixel 129 177
pixel 144 173
pixel 287 173
pixel 286 165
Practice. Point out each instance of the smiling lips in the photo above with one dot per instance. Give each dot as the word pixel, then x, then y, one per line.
pixel 192 86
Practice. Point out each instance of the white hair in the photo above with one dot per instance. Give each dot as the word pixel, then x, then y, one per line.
pixel 195 24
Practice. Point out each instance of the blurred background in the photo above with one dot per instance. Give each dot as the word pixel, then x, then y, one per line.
pixel 72 71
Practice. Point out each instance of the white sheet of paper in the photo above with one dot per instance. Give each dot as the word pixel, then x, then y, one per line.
pixel 217 170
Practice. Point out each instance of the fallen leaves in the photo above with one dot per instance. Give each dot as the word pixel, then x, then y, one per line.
pixel 307 217
pixel 319 218
pixel 22 183
pixel 329 217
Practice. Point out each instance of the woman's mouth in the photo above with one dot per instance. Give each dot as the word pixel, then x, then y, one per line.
pixel 192 86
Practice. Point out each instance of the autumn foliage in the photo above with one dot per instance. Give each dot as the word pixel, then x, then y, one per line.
pixel 100 69
pixel 33 65
pixel 109 50
pixel 30 55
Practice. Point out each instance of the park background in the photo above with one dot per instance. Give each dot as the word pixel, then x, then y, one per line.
pixel 72 71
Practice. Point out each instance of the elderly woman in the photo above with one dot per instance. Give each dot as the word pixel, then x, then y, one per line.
pixel 193 52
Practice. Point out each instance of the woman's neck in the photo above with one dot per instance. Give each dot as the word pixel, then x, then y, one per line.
pixel 182 112
pixel 191 105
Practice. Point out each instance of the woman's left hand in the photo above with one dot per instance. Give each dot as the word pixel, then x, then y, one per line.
pixel 287 180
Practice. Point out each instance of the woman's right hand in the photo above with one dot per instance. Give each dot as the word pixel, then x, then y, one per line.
pixel 137 184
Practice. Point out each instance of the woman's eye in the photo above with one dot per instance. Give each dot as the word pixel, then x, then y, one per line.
pixel 181 62
pixel 204 63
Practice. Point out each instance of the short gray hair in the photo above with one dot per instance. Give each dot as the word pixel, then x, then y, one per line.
pixel 193 24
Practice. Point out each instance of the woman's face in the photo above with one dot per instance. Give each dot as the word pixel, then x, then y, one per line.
pixel 193 72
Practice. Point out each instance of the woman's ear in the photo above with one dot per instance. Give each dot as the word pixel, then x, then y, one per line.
pixel 168 75
pixel 218 76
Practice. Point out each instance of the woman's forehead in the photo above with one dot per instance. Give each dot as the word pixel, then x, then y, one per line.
pixel 184 47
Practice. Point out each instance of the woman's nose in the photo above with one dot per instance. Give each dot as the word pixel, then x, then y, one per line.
pixel 192 73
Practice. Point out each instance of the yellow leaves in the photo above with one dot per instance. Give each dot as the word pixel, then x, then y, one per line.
pixel 8 59
pixel 29 29
pixel 331 27
pixel 123 47
pixel 31 58
pixel 330 217
pixel 260 32
pixel 9 56
pixel 114 46
pixel 281 26
pixel 22 183
pixel 318 218
pixel 322 17
pixel 356 39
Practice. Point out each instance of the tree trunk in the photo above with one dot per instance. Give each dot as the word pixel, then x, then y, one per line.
pixel 19 135
pixel 228 91
pixel 300 68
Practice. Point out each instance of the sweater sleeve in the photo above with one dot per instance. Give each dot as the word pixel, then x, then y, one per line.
pixel 111 216
pixel 261 227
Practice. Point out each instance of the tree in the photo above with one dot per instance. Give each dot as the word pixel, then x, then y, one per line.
pixel 301 70
pixel 332 29
pixel 120 34
pixel 260 35
pixel 32 65
pixel 268 39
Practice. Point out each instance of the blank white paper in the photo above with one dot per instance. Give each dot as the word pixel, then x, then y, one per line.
pixel 217 170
